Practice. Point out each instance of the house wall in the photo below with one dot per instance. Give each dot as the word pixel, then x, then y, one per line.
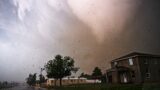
pixel 150 65
pixel 115 77
pixel 136 78
pixel 145 68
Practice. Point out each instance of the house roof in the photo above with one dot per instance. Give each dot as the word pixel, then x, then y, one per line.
pixel 135 54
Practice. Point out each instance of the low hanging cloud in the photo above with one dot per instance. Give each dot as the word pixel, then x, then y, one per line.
pixel 93 32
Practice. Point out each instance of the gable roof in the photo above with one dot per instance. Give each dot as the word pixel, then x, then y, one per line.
pixel 135 54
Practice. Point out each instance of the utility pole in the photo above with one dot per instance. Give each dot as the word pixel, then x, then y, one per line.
pixel 41 70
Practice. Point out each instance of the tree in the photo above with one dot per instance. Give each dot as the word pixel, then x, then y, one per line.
pixel 31 80
pixel 75 69
pixel 41 79
pixel 97 73
pixel 83 75
pixel 59 67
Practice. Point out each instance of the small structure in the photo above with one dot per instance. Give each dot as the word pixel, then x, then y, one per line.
pixel 66 81
pixel 134 68
pixel 93 81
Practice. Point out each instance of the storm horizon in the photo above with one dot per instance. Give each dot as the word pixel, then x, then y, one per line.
pixel 92 32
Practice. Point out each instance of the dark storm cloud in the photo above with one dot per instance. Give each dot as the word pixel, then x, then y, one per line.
pixel 141 33
pixel 7 9
pixel 143 29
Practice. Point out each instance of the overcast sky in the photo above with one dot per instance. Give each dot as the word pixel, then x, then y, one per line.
pixel 93 32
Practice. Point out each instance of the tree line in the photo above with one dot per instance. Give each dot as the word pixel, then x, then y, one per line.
pixel 59 68
pixel 6 84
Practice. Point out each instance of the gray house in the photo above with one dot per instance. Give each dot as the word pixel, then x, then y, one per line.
pixel 134 68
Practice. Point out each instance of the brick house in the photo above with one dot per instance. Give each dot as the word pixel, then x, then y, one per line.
pixel 134 68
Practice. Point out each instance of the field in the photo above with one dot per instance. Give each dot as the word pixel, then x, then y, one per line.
pixel 109 87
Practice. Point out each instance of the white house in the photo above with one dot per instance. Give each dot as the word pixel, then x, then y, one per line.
pixel 66 81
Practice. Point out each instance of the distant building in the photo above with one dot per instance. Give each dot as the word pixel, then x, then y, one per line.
pixel 134 68
pixel 66 81
pixel 93 81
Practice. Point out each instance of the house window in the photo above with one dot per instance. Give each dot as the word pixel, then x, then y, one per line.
pixel 130 61
pixel 52 81
pixel 115 63
pixel 148 75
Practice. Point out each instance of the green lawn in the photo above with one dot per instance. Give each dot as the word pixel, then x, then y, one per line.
pixel 109 87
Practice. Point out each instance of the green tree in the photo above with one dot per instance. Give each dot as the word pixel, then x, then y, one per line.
pixel 59 67
pixel 83 75
pixel 97 73
pixel 31 80
pixel 41 79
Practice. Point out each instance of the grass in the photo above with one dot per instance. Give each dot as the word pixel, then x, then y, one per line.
pixel 99 87
pixel 151 87
pixel 109 87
